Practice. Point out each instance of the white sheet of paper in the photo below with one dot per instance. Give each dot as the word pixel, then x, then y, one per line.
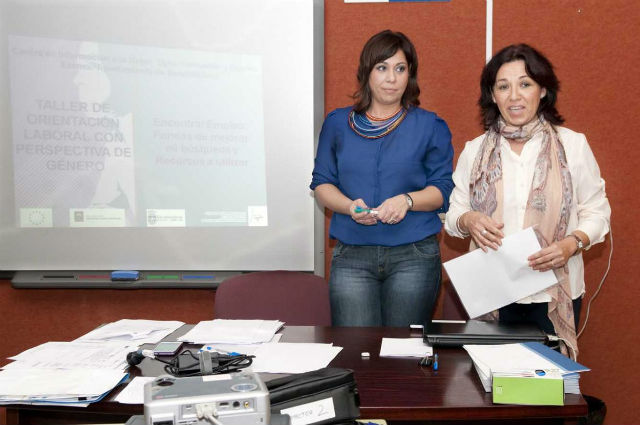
pixel 487 281
pixel 404 347
pixel 238 348
pixel 226 331
pixel 286 357
pixel 133 393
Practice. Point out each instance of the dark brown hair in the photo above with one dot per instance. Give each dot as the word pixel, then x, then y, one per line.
pixel 538 68
pixel 379 48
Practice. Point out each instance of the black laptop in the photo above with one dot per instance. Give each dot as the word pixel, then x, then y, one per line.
pixel 448 334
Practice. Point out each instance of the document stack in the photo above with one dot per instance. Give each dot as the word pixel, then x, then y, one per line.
pixel 78 372
pixel 526 373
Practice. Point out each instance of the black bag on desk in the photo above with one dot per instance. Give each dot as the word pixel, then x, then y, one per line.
pixel 332 383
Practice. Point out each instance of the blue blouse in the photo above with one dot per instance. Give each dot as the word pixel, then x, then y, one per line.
pixel 417 154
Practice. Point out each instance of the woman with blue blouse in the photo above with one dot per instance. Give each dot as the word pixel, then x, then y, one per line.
pixel 384 166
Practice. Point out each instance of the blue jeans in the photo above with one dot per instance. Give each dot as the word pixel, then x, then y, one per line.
pixel 384 285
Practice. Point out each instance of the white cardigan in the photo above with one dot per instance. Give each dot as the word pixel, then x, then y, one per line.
pixel 590 212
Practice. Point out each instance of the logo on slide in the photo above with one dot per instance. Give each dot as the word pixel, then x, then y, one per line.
pixel 36 217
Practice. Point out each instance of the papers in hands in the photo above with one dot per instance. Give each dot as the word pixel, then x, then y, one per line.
pixel 487 281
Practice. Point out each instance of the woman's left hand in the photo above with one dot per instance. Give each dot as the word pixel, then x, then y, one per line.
pixel 393 210
pixel 552 257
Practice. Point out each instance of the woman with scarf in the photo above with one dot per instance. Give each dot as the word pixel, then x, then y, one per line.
pixel 383 166
pixel 526 170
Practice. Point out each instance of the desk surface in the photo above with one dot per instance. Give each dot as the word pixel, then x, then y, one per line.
pixel 396 389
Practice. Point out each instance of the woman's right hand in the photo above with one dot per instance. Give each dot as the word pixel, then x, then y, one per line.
pixel 484 230
pixel 364 218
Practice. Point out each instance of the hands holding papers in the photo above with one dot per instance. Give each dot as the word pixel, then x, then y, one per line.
pixel 486 281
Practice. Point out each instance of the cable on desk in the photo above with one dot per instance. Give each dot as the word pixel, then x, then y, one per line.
pixel 189 364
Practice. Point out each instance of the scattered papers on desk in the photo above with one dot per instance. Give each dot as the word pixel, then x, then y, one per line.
pixel 232 331
pixel 519 358
pixel 138 331
pixel 79 372
pixel 248 349
pixel 76 387
pixel 133 393
pixel 293 357
pixel 404 347
pixel 72 355
pixel 486 281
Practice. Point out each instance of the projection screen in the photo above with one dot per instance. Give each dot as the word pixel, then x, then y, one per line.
pixel 158 135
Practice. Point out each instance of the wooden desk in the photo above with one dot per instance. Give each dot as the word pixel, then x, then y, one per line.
pixel 390 388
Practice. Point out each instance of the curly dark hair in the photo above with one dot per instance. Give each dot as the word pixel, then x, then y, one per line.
pixel 538 67
pixel 380 47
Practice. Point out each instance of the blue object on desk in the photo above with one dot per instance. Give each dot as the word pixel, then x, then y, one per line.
pixel 229 353
pixel 435 362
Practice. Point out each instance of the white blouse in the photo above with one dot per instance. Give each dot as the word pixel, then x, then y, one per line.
pixel 590 212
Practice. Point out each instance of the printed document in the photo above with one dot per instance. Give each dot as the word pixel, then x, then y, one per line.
pixel 137 330
pixel 486 281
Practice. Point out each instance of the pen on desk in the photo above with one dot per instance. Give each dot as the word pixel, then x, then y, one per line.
pixel 359 209
pixel 435 362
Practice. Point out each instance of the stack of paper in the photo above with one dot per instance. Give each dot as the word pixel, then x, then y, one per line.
pixel 526 357
pixel 232 331
pixel 74 355
pixel 138 331
pixel 74 387
pixel 79 372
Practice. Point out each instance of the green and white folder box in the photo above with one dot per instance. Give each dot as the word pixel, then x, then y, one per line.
pixel 528 387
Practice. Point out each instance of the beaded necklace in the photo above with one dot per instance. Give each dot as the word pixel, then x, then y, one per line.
pixel 374 128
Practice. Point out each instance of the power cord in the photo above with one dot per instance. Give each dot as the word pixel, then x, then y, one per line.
pixel 189 364
pixel 604 276
pixel 572 350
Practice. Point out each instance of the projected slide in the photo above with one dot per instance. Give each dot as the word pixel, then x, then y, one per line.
pixel 114 135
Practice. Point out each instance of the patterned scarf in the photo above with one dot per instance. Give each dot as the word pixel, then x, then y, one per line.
pixel 548 205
